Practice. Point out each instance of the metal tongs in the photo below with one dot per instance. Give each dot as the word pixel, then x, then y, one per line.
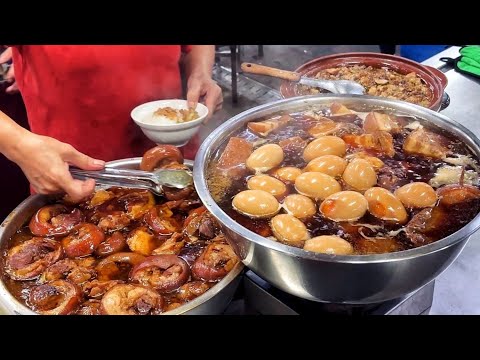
pixel 3 71
pixel 153 181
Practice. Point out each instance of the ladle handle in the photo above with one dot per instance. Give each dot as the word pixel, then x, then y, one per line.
pixel 269 71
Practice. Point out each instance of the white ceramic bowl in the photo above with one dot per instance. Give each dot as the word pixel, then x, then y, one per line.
pixel 173 134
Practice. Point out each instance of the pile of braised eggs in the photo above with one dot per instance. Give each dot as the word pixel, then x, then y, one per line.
pixel 319 187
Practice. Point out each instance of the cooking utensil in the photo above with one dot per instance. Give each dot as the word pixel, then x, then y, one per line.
pixel 138 179
pixel 3 71
pixel 213 302
pixel 434 78
pixel 334 86
pixel 356 279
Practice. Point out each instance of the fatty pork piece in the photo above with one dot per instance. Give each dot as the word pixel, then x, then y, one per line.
pixel 339 109
pixel 378 141
pixel 375 121
pixel 142 241
pixel 458 205
pixel 264 128
pixel 325 126
pixel 295 143
pixel 76 271
pixel 232 161
pixel 341 114
pixel 426 143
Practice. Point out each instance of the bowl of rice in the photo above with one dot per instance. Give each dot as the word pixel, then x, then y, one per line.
pixel 169 121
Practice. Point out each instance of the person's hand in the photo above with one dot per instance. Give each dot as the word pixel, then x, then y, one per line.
pixel 10 75
pixel 45 162
pixel 202 86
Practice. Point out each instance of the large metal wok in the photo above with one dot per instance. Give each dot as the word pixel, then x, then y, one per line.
pixel 213 302
pixel 358 279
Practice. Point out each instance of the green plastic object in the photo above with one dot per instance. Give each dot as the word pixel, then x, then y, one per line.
pixel 469 61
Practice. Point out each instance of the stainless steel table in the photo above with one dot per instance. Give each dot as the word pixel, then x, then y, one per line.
pixel 457 290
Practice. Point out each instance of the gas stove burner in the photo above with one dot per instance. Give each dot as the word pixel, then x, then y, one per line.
pixel 265 299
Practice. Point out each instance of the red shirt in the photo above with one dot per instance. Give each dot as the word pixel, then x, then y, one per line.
pixel 83 94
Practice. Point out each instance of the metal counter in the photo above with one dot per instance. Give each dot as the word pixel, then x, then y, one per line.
pixel 457 289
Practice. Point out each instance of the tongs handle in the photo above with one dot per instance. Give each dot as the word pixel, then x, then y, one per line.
pixel 177 178
pixel 123 173
pixel 116 178
pixel 137 178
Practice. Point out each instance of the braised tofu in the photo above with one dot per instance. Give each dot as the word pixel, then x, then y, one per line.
pixel 264 128
pixel 232 161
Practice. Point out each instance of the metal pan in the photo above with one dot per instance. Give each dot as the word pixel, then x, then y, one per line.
pixel 354 279
pixel 213 302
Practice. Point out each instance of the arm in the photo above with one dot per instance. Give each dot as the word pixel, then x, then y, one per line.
pixel 45 161
pixel 198 68
pixel 199 60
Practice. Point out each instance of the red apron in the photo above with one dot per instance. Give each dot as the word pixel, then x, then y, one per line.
pixel 83 94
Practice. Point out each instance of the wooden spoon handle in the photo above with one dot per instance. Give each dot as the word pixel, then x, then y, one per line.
pixel 269 71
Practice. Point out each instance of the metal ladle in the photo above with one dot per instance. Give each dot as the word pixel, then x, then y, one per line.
pixel 334 86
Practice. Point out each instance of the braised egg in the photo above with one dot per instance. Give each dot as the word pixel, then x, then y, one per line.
pixel 325 145
pixel 256 204
pixel 417 195
pixel 268 184
pixel 264 158
pixel 299 206
pixel 374 161
pixel 287 173
pixel 329 244
pixel 316 185
pixel 360 175
pixel 288 229
pixel 344 206
pixel 384 205
pixel 328 164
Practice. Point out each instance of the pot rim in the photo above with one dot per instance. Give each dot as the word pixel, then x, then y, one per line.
pixel 224 131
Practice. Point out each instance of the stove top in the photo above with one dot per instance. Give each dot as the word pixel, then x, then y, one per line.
pixel 262 298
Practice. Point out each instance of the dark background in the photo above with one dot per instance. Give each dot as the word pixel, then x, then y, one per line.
pixel 13 184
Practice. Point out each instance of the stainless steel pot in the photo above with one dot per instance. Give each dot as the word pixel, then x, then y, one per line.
pixel 358 279
pixel 213 302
